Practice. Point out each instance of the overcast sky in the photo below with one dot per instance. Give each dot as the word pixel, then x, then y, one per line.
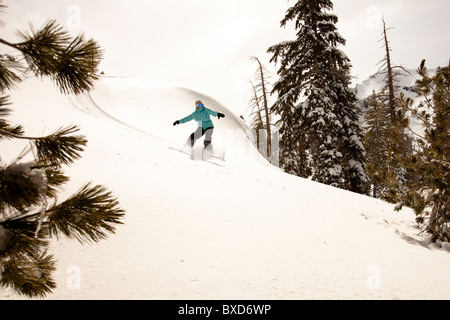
pixel 206 44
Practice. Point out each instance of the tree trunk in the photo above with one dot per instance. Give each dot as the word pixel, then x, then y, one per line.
pixel 266 110
pixel 390 75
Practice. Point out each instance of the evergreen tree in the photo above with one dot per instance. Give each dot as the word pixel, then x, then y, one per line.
pixel 29 212
pixel 376 142
pixel 429 196
pixel 387 168
pixel 319 124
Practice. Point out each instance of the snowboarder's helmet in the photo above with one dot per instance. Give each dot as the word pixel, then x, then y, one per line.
pixel 199 104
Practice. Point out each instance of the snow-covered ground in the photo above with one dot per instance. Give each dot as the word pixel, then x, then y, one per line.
pixel 197 230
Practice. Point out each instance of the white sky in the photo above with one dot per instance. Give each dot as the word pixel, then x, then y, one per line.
pixel 206 44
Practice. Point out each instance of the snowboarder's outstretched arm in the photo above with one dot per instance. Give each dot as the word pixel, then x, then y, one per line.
pixel 188 118
pixel 185 119
pixel 215 113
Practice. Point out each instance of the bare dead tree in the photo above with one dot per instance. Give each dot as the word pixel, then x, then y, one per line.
pixel 391 74
pixel 261 100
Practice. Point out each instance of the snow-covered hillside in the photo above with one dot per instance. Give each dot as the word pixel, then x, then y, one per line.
pixel 405 82
pixel 196 230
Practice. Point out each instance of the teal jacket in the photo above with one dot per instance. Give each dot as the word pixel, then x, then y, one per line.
pixel 202 117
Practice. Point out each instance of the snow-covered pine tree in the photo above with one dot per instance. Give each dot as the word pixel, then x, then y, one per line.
pixel 29 211
pixel 350 138
pixel 429 196
pixel 319 124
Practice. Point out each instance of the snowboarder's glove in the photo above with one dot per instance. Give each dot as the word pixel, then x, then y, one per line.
pixel 220 115
pixel 176 123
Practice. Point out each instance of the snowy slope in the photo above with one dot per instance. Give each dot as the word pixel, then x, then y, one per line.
pixel 405 83
pixel 195 230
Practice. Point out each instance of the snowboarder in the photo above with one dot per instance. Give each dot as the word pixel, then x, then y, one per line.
pixel 205 124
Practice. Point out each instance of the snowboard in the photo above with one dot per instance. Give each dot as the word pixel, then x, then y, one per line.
pixel 202 154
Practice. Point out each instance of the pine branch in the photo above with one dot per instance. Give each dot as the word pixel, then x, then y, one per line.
pixel 29 275
pixel 21 237
pixel 41 48
pixel 60 147
pixel 401 67
pixel 50 52
pixel 10 72
pixel 4 101
pixel 21 186
pixel 87 216
pixel 8 132
pixel 55 178
pixel 415 133
pixel 78 66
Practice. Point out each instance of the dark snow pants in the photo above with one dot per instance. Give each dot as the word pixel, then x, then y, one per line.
pixel 200 132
